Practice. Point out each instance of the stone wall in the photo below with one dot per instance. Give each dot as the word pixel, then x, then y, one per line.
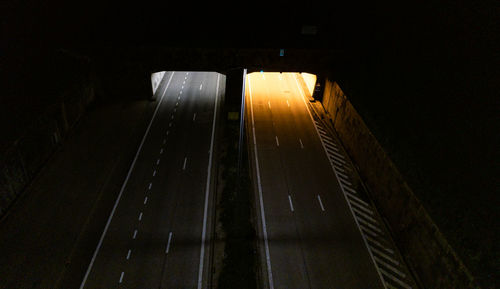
pixel 427 253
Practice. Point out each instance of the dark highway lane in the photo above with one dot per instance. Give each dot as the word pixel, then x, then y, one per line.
pixel 312 238
pixel 154 238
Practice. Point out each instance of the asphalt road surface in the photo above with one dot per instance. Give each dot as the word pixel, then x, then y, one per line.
pixel 310 238
pixel 155 236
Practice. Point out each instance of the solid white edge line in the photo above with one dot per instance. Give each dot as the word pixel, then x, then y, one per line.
pixel 168 242
pixel 341 187
pixel 99 244
pixel 261 200
pixel 207 190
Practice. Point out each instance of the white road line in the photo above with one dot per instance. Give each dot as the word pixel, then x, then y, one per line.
pixel 183 85
pixel 168 243
pixel 201 86
pixel 128 254
pixel 351 190
pixel 177 103
pixel 175 109
pixel 194 116
pixel 168 132
pixel 135 234
pixel 321 203
pixel 145 200
pixel 336 158
pixel 395 279
pixel 207 190
pixel 184 165
pixel 158 161
pixel 99 244
pixel 154 173
pixel 390 267
pixel 301 144
pixel 180 93
pixel 140 216
pixel 382 254
pixel 345 182
pixel 164 141
pixel 290 201
pixel 368 231
pixel 277 141
pixel 287 103
pixel 150 185
pixel 269 104
pixel 365 215
pixel 169 124
pixel 361 207
pixel 121 277
pixel 343 175
pixel 338 168
pixel 261 200
pixel 161 151
pixel 358 199
pixel 172 117
pixel 341 187
pixel 370 239
pixel 337 154
pixel 362 221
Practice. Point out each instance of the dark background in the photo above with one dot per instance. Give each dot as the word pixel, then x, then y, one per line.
pixel 424 76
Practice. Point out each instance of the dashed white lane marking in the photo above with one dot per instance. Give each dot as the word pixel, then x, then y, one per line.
pixel 201 85
pixel 177 103
pixel 161 151
pixel 158 161
pixel 290 201
pixel 164 141
pixel 184 165
pixel 169 124
pixel 183 85
pixel 140 216
pixel 321 203
pixel 194 116
pixel 135 234
pixel 269 104
pixel 121 277
pixel 175 109
pixel 301 144
pixel 99 244
pixel 287 103
pixel 145 200
pixel 168 242
pixel 172 117
pixel 277 141
pixel 154 173
pixel 128 254
pixel 150 185
pixel 180 93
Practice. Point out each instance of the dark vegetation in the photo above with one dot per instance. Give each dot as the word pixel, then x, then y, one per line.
pixel 239 268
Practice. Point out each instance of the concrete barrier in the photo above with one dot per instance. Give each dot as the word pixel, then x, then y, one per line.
pixel 424 248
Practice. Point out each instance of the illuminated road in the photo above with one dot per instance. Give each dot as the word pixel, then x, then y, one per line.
pixel 154 237
pixel 310 239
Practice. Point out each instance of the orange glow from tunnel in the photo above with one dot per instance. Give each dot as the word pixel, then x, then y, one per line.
pixel 281 84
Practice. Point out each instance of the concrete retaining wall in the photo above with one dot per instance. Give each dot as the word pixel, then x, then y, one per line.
pixel 426 251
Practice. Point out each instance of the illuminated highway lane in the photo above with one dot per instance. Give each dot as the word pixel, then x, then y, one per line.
pixel 154 236
pixel 309 237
